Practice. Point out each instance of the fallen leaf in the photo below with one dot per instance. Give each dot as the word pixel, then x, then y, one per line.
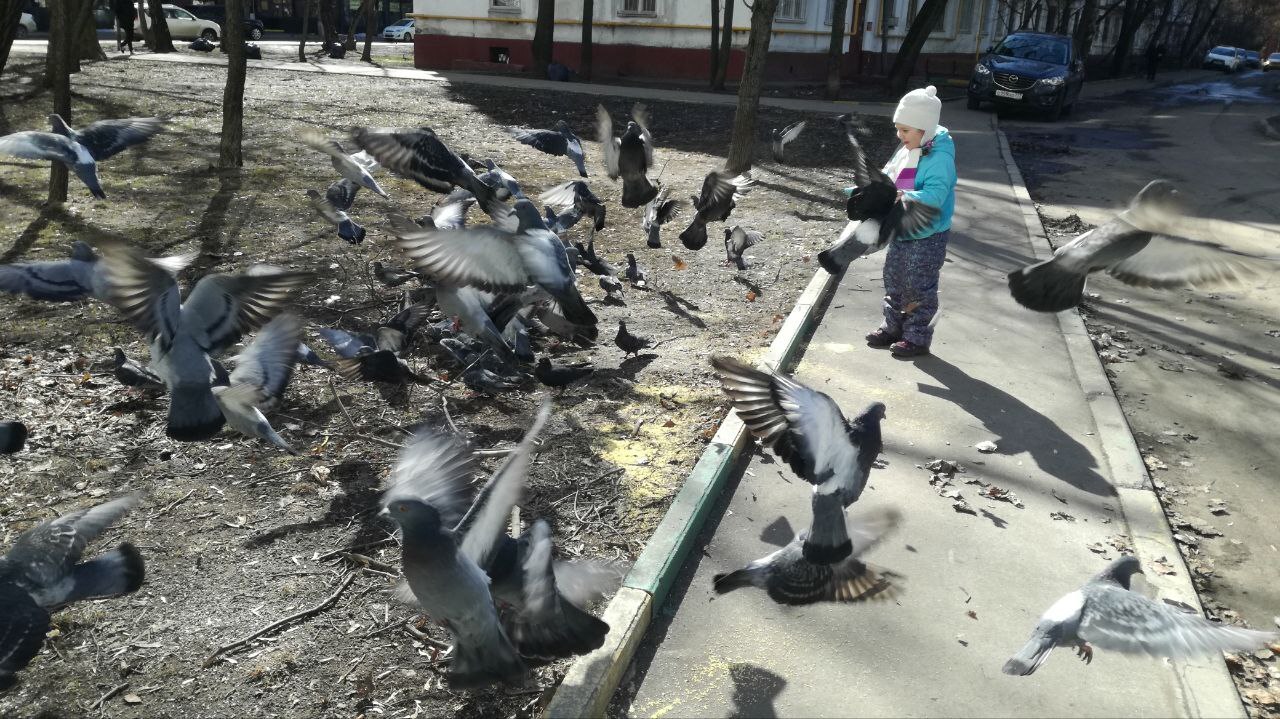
pixel 132 699
pixel 751 296
pixel 678 263
pixel 971 614
pixel 669 423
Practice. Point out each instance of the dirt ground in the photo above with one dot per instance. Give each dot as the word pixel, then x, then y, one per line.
pixel 237 535
pixel 1197 372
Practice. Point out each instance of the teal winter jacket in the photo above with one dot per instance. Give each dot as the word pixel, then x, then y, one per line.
pixel 936 183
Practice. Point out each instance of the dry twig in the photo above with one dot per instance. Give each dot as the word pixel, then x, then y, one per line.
pixel 213 658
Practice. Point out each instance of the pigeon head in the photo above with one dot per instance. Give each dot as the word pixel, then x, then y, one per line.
pixel 561 126
pixel 528 215
pixel 414 516
pixel 544 363
pixel 631 259
pixel 80 250
pixel 874 412
pixel 118 357
pixel 1120 571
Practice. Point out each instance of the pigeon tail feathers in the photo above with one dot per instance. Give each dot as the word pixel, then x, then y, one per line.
pixel 490 659
pixel 573 632
pixel 695 235
pixel 1031 656
pixel 194 415
pixel 117 572
pixel 1046 287
pixel 737 579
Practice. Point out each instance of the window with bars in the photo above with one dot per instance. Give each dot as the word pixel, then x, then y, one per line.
pixel 790 10
pixel 964 16
pixel 504 4
pixel 888 14
pixel 638 7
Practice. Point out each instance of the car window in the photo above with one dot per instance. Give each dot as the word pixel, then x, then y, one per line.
pixel 1221 51
pixel 1275 56
pixel 1029 47
pixel 172 14
pixel 184 15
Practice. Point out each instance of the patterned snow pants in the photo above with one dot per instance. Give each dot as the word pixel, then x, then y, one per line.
pixel 911 271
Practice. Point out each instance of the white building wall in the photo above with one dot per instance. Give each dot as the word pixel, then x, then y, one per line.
pixel 967 27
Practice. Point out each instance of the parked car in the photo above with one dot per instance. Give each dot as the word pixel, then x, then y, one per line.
pixel 1272 62
pixel 26 26
pixel 183 25
pixel 1223 58
pixel 402 30
pixel 1034 70
pixel 253 27
pixel 1252 59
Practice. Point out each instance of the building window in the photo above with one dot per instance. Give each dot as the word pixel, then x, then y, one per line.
pixel 638 7
pixel 888 15
pixel 964 17
pixel 504 4
pixel 831 7
pixel 790 10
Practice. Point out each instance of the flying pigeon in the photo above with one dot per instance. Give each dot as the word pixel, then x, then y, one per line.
pixel 562 222
pixel 634 274
pixel 445 550
pixel 75 278
pixel 450 213
pixel 184 335
pixel 422 157
pixel 782 137
pixel 1106 613
pixel 347 165
pixel 42 572
pixel 504 183
pixel 559 140
pixel 1150 244
pixel 805 428
pixel 342 193
pixel 135 376
pixel 629 344
pixel 822 564
pixel 306 355
pixel 393 277
pixel 348 229
pixel 876 216
pixel 480 315
pixel 375 357
pixel 736 241
pixel 628 157
pixel 560 375
pixel 81 150
pixel 13 437
pixel 575 193
pixel 256 384
pixel 656 214
pixel 720 194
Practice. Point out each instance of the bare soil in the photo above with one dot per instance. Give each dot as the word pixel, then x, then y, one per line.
pixel 237 535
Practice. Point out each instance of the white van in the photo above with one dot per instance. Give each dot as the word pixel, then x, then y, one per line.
pixel 183 25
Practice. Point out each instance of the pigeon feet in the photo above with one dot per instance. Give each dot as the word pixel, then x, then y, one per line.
pixel 1085 652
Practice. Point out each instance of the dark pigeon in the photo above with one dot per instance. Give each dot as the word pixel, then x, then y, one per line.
pixel 393 277
pixel 720 194
pixel 629 156
pixel 422 157
pixel 736 241
pixel 656 214
pixel 559 141
pixel 627 342
pixel 135 376
pixel 348 229
pixel 578 195
pixel 560 376
pixel 634 274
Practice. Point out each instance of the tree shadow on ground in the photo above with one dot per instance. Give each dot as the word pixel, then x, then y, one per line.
pixel 1019 427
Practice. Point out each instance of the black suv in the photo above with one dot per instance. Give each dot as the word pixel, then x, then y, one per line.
pixel 253 27
pixel 1034 70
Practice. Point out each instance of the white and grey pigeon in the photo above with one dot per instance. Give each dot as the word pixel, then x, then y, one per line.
pixel 875 214
pixel 186 335
pixel 1152 243
pixel 658 213
pixel 421 156
pixel 480 315
pixel 736 241
pixel 259 379
pixel 79 276
pixel 1106 613
pixel 81 150
pixel 559 140
pixel 352 167
pixel 505 184
pixel 783 136
pixel 576 194
pixel 824 563
pixel 628 157
pixel 720 194
pixel 348 229
pixel 445 549
pixel 42 572
pixel 805 428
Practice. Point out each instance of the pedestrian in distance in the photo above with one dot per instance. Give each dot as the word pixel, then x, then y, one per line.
pixel 924 171
pixel 125 14
pixel 1155 54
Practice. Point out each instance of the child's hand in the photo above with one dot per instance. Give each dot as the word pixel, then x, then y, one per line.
pixel 899 199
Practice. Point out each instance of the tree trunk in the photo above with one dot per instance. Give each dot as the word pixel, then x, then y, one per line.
pixel 1184 48
pixel 367 55
pixel 350 44
pixel 544 37
pixel 306 27
pixel 715 41
pixel 1157 35
pixel 905 61
pixel 87 46
pixel 230 153
pixel 588 16
pixel 328 23
pixel 10 14
pixel 58 75
pixel 743 146
pixel 835 52
pixel 726 45
pixel 1087 26
pixel 1199 34
pixel 1133 15
pixel 144 24
pixel 160 29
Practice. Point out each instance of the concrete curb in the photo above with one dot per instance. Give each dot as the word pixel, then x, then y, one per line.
pixel 1271 127
pixel 591 680
pixel 1204 687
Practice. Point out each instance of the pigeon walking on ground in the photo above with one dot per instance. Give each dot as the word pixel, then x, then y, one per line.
pixel 422 157
pixel 783 136
pixel 376 357
pixel 1150 244
pixel 634 274
pixel 875 214
pixel 1106 613
pixel 13 437
pixel 347 165
pixel 480 315
pixel 588 258
pixel 575 193
pixel 656 214
pixel 559 140
pixel 81 150
pixel 348 229
pixel 75 278
pixel 612 286
pixel 256 384
pixel 560 376
pixel 134 375
pixel 629 156
pixel 720 194
pixel 42 572
pixel 563 221
pixel 629 344
pixel 805 428
pixel 444 551
pixel 736 241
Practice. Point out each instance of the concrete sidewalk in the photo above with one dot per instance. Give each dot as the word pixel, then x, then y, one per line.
pixel 975 584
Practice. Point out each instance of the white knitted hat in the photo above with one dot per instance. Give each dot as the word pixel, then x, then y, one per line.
pixel 920 109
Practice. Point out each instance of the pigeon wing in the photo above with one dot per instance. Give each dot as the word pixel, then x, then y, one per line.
pixel 1169 261
pixel 548 141
pixel 107 137
pixel 640 113
pixel 142 290
pixel 34 145
pixel 481 256
pixel 608 143
pixel 913 217
pixel 325 208
pixel 417 155
pixel 792 131
pixel 561 196
pixel 267 363
pixel 23 625
pixel 451 215
pixel 818 437
pixel 436 469
pixel 341 194
pixel 222 307
pixel 863 174
pixel 47 552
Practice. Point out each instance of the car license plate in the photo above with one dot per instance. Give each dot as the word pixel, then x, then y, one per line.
pixel 1010 95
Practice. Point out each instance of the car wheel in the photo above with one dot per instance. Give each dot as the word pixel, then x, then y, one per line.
pixel 973 103
pixel 1055 112
pixel 209 35
pixel 255 34
pixel 21 33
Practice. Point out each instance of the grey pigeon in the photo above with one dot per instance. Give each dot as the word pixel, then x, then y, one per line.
pixel 656 214
pixel 393 277
pixel 347 165
pixel 487 381
pixel 822 564
pixel 451 212
pixel 634 274
pixel 42 572
pixel 1150 244
pixel 576 194
pixel 348 229
pixel 422 157
pixel 133 375
pixel 479 315
pixel 559 140
pixel 256 384
pixel 736 241
pixel 805 428
pixel 588 258
pixel 506 186
pixel 611 286
pixel 875 214
pixel 629 344
pixel 1106 613
pixel 342 194
pixel 13 437
pixel 306 355
pixel 782 136
pixel 628 157
pixel 562 222
pixel 516 333
pixel 720 194
pixel 185 335
pixel 82 150
pixel 444 550
pixel 75 278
